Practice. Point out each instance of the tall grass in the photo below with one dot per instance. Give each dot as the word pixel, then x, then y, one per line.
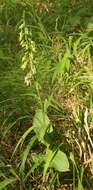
pixel 46 128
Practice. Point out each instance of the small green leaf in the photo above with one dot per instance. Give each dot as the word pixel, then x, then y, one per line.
pixel 60 162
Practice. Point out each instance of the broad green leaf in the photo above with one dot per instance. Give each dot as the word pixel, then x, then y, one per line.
pixel 40 124
pixel 6 182
pixel 60 162
pixel 56 159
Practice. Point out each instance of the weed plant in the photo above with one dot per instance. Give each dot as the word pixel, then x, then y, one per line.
pixel 46 95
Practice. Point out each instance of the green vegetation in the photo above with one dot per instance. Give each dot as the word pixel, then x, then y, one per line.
pixel 46 95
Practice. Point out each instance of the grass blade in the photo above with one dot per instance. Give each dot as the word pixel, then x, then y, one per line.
pixel 6 182
pixel 25 154
pixel 22 139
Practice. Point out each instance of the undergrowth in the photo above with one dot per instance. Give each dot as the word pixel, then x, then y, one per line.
pixel 46 95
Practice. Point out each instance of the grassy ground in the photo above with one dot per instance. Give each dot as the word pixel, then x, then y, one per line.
pixel 46 95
